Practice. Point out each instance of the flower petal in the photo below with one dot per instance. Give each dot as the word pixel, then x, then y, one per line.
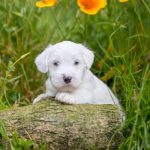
pixel 91 6
pixel 123 1
pixel 53 2
pixel 89 11
pixel 40 4
pixel 46 3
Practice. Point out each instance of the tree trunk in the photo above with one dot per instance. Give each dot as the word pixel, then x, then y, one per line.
pixel 66 127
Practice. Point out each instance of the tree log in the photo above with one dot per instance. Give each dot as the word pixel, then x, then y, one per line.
pixel 66 127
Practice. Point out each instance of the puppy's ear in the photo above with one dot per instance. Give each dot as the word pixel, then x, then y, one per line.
pixel 88 57
pixel 41 60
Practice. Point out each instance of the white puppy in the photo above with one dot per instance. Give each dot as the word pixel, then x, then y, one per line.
pixel 69 77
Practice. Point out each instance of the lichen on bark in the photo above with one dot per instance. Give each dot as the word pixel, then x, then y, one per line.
pixel 65 126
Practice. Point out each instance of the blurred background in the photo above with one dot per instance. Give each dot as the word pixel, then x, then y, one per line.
pixel 119 35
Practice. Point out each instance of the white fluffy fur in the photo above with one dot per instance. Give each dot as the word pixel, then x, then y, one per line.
pixel 84 87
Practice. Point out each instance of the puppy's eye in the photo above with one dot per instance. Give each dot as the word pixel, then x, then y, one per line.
pixel 56 63
pixel 76 63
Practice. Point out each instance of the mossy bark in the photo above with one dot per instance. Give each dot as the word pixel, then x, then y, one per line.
pixel 66 127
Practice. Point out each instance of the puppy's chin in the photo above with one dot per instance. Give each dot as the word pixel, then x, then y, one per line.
pixel 67 88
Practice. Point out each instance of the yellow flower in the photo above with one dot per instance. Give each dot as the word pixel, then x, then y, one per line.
pixel 91 7
pixel 123 1
pixel 46 3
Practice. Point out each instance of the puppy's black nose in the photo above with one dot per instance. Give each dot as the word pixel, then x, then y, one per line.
pixel 67 79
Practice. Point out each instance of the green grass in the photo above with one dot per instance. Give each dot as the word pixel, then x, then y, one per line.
pixel 119 35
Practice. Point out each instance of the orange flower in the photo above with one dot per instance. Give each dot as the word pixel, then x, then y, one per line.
pixel 46 3
pixel 123 1
pixel 91 7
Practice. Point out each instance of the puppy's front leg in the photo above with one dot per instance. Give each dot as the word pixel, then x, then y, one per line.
pixel 66 98
pixel 50 92
pixel 41 97
pixel 77 97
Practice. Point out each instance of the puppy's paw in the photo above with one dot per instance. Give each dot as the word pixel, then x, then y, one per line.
pixel 65 98
pixel 37 99
pixel 41 97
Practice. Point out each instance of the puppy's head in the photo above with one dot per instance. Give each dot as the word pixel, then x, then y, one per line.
pixel 66 64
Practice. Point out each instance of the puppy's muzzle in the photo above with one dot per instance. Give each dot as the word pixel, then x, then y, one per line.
pixel 67 79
